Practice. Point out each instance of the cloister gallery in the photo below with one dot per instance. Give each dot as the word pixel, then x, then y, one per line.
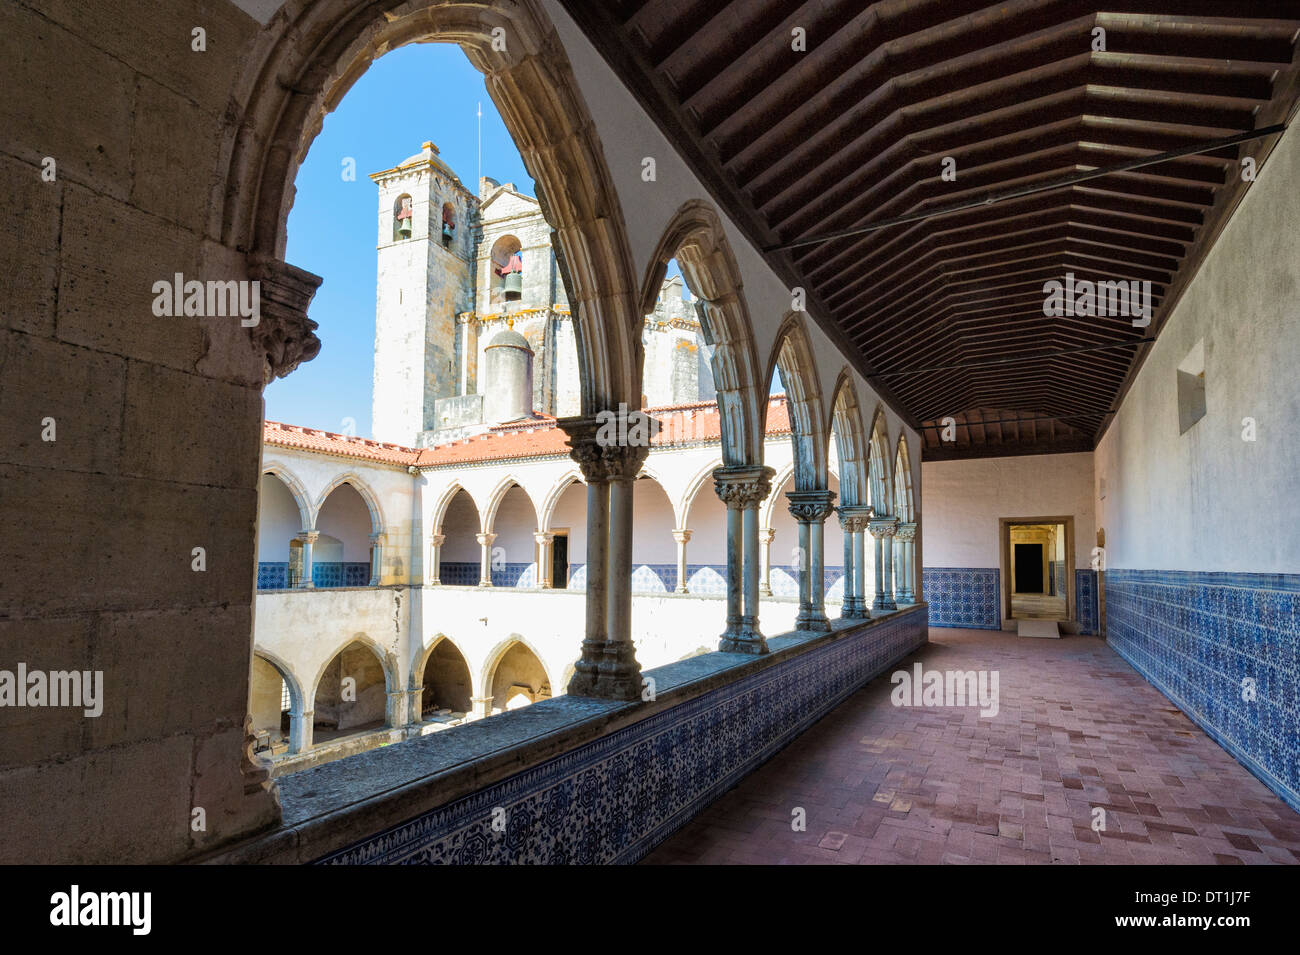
pixel 768 399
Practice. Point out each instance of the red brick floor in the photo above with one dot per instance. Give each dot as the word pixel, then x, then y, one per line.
pixel 1077 729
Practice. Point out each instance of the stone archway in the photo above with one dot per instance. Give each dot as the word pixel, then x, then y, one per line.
pixel 305 62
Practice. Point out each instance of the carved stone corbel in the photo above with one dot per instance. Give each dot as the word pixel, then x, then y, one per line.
pixel 283 335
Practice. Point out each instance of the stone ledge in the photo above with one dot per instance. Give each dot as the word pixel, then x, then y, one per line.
pixel 339 804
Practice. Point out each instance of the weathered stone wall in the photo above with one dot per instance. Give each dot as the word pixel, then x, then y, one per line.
pixel 158 434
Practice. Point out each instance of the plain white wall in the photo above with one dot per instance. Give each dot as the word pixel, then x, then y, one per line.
pixel 963 501
pixel 1208 500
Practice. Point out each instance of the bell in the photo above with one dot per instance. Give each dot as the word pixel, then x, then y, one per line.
pixel 514 283
pixel 404 228
pixel 448 230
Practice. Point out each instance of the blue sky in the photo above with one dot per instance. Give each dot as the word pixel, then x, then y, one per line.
pixel 418 92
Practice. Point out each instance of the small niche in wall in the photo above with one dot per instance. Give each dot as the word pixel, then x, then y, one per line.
pixel 1191 387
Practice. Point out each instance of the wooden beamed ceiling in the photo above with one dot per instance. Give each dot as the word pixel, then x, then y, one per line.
pixel 944 314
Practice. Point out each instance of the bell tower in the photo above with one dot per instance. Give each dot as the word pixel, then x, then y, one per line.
pixel 426 252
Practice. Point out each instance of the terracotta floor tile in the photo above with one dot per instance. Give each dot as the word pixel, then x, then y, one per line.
pixel 1077 728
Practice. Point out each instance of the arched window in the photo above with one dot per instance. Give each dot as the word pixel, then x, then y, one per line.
pixel 448 225
pixel 507 270
pixel 403 217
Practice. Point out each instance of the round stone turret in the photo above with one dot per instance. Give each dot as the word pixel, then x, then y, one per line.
pixel 508 376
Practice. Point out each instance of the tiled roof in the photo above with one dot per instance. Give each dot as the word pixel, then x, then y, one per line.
pixel 698 422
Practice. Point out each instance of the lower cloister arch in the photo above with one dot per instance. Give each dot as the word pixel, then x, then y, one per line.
pixel 309 56
pixel 442 680
pixel 514 676
pixel 271 681
pixel 354 691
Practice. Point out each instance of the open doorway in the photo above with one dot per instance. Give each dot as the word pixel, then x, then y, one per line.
pixel 1037 568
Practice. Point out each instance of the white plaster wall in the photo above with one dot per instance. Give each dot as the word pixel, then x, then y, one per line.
pixel 278 520
pixel 344 517
pixel 460 528
pixel 963 501
pixel 1208 500
pixel 515 524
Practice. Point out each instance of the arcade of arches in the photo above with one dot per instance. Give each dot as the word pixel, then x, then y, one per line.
pixel 338 647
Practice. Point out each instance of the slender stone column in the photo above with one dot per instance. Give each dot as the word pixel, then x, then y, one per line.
pixel 765 536
pixel 308 539
pixel 376 559
pixel 810 509
pixel 860 610
pixel 435 558
pixel 395 708
pixel 846 527
pixel 735 584
pixel 882 529
pixel 609 448
pixel 300 727
pixel 741 489
pixel 681 535
pixel 906 537
pixel 414 706
pixel 480 706
pixel 544 542
pixel 485 559
pixel 853 520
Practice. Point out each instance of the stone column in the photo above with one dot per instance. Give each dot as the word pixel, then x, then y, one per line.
pixel 376 559
pixel 395 708
pixel 742 488
pixel 300 727
pixel 846 527
pixel 609 448
pixel 765 536
pixel 681 535
pixel 882 529
pixel 906 537
pixel 810 509
pixel 544 542
pixel 485 559
pixel 435 558
pixel 308 539
pixel 414 706
pixel 480 706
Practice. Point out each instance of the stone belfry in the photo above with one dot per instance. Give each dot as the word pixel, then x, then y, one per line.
pixel 426 253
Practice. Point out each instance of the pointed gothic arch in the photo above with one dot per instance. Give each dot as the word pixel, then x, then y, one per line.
pixel 297 490
pixel 308 57
pixel 904 504
pixel 368 496
pixel 792 355
pixel 851 448
pixel 880 466
pixel 552 501
pixel 439 513
pixel 487 519
pixel 694 236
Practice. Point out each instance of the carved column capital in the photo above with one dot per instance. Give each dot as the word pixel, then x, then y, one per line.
pixel 906 531
pixel 437 540
pixel 610 445
pixel 377 538
pixel 283 335
pixel 309 537
pixel 485 539
pixel 811 506
pixel 882 527
pixel 854 517
pixel 543 537
pixel 743 486
pixel 681 534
